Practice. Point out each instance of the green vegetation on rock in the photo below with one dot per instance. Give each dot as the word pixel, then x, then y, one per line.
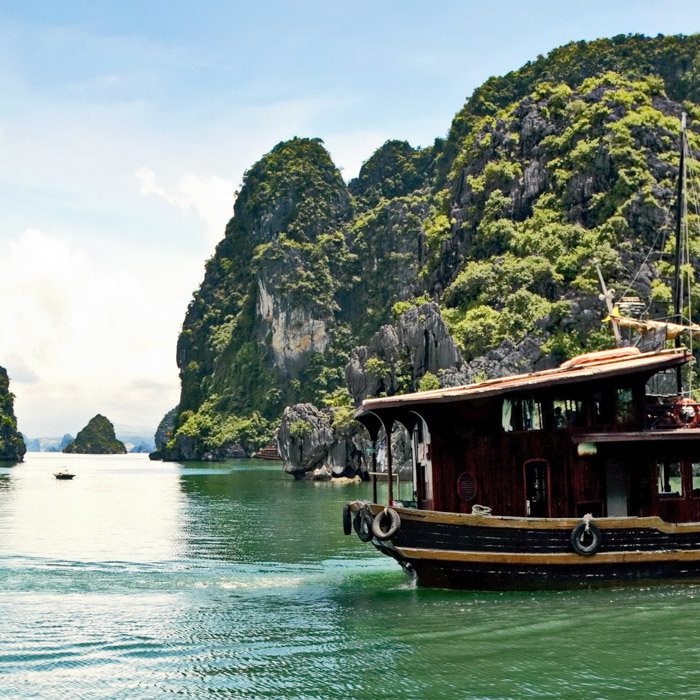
pixel 571 159
pixel 12 445
pixel 96 438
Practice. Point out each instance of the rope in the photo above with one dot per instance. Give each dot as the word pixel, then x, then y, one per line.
pixel 588 519
pixel 685 255
pixel 691 183
pixel 662 231
pixel 480 510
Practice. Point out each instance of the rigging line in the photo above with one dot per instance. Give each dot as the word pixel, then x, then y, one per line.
pixel 663 229
pixel 685 224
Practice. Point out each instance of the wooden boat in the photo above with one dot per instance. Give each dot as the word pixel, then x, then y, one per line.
pixel 269 452
pixel 585 474
pixel 574 476
pixel 63 474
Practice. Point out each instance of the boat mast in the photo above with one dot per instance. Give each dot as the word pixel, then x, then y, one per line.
pixel 677 299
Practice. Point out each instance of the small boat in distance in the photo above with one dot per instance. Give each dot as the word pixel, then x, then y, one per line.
pixel 63 474
pixel 269 452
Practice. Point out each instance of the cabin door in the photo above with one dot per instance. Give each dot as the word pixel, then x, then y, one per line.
pixel 616 489
pixel 537 488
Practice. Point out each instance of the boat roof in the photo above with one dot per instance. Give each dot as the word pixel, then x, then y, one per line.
pixel 593 366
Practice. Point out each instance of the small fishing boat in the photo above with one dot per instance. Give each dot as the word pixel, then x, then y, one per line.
pixel 63 474
pixel 582 475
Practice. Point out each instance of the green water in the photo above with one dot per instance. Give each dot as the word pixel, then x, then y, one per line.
pixel 150 580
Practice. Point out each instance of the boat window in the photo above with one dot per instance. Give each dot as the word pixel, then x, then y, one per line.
pixel 599 413
pixel 568 413
pixel 669 481
pixel 624 406
pixel 696 479
pixel 521 414
pixel 663 383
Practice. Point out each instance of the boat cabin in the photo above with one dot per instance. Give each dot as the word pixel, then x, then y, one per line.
pixel 605 433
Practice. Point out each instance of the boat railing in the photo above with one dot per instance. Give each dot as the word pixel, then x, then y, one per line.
pixel 395 475
pixel 682 413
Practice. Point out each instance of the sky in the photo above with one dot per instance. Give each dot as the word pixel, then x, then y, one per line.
pixel 126 128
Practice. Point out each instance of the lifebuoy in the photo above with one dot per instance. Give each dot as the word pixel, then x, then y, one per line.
pixel 379 532
pixel 686 412
pixel 363 524
pixel 585 538
pixel 347 519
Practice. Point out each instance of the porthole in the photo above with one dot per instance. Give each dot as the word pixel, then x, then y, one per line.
pixel 466 487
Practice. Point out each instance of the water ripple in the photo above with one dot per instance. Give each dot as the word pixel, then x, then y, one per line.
pixel 157 581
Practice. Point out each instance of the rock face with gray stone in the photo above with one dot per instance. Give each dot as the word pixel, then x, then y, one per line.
pixel 395 359
pixel 311 447
pixel 510 358
pixel 418 344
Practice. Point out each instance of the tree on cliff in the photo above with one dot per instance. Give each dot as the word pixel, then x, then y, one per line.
pixel 97 438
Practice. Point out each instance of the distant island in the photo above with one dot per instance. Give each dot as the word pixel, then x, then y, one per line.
pixel 96 438
pixel 136 442
pixel 55 444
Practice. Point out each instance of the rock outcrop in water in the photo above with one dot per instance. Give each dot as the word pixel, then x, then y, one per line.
pixel 96 438
pixel 12 445
pixel 313 444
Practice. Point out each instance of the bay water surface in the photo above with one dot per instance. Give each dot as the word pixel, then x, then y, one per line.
pixel 146 579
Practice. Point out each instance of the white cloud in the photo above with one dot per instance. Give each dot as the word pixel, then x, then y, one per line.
pixel 85 335
pixel 212 199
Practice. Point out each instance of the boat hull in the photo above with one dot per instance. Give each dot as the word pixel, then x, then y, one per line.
pixel 449 550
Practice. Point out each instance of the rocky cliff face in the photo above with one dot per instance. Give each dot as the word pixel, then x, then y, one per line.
pixel 468 259
pixel 398 357
pixel 12 445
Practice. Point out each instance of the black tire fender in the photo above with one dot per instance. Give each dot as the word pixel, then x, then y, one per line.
pixel 394 524
pixel 347 519
pixel 363 524
pixel 585 539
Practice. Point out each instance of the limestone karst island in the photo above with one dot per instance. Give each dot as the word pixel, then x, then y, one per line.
pixel 470 259
pixel 96 438
pixel 12 445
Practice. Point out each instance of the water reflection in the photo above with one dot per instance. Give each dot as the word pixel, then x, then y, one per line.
pixel 250 512
pixel 116 509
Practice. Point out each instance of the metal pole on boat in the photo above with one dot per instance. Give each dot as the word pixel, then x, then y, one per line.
pixel 389 471
pixel 373 469
pixel 606 296
pixel 677 291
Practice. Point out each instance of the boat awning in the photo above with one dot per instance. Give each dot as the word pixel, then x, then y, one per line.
pixel 642 363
